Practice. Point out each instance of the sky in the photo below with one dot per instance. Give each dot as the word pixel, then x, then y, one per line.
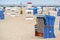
pixel 35 2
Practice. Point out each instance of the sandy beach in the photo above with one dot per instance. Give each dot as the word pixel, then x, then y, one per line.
pixel 17 28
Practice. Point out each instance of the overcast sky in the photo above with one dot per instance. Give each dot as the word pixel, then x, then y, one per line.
pixel 35 2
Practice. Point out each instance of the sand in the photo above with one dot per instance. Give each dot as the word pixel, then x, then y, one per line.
pixel 17 28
